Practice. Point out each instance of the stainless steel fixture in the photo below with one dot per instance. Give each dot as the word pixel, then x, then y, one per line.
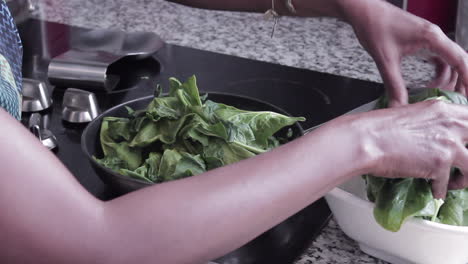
pixel 93 52
pixel 118 42
pixel 462 24
pixel 44 135
pixel 36 96
pixel 83 69
pixel 79 106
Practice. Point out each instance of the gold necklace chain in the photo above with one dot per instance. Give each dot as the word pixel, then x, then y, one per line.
pixel 271 13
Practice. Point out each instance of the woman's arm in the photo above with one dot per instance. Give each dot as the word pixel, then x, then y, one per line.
pixel 47 217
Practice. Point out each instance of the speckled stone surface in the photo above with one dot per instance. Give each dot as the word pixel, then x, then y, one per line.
pixel 319 44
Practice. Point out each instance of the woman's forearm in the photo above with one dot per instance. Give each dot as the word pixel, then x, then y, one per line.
pixel 205 216
pixel 46 213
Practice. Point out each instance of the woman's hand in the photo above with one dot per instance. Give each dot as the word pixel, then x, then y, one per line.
pixel 423 140
pixel 389 34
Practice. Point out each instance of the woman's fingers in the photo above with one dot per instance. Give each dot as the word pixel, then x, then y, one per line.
pixel 452 85
pixel 443 74
pixel 459 179
pixel 449 51
pixel 459 87
pixel 440 182
pixel 390 70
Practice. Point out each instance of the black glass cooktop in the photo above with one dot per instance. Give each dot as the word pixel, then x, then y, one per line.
pixel 317 96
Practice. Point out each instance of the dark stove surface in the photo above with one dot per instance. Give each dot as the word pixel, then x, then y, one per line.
pixel 317 96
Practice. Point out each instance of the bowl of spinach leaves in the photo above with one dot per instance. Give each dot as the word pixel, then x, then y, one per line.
pixel 170 136
pixel 399 220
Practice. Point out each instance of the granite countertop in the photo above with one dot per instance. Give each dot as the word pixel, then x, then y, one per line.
pixel 319 44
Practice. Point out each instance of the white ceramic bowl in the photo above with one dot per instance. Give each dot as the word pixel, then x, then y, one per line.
pixel 418 241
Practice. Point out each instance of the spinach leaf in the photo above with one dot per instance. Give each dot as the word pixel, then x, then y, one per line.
pixel 454 97
pixel 176 165
pixel 190 92
pixel 455 208
pixel 165 107
pixel 140 173
pixel 247 129
pixel 131 156
pixel 423 95
pixel 135 114
pixel 225 153
pixel 186 92
pixel 153 162
pixel 165 130
pixel 119 128
pixel 147 172
pixel 112 162
pixel 137 123
pixel 374 185
pixel 174 85
pixel 189 165
pixel 261 125
pixel 397 200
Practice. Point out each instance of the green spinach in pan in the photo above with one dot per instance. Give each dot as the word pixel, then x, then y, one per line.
pixel 396 200
pixel 183 134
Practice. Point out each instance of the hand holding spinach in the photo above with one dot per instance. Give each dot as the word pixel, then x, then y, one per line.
pixel 425 140
pixel 183 134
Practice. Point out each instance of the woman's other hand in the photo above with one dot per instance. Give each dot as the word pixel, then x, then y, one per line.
pixel 389 33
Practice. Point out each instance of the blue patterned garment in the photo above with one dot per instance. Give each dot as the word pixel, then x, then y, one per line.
pixel 10 63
